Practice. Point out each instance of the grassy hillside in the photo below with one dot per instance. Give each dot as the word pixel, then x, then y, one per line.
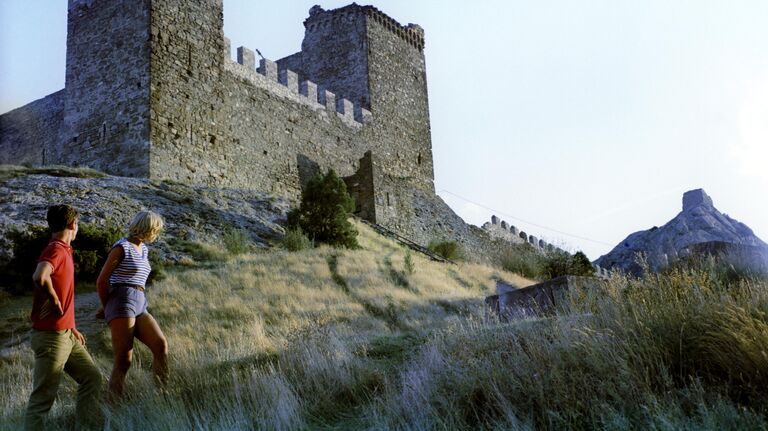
pixel 273 340
pixel 334 339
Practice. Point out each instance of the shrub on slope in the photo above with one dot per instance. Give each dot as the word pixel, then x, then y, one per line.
pixel 324 211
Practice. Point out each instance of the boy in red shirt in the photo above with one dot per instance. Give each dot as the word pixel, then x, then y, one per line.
pixel 58 346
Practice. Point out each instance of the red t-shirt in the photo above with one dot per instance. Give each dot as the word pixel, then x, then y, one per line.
pixel 59 255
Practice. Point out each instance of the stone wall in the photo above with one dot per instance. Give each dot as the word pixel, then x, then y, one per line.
pixel 243 126
pixel 542 299
pixel 101 118
pixel 28 133
pixel 106 111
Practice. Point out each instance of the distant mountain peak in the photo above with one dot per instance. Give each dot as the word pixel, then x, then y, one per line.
pixel 699 223
pixel 695 198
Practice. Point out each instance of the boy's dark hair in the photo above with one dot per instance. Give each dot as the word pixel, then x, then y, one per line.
pixel 60 216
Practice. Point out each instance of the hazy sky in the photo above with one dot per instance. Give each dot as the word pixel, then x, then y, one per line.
pixel 578 121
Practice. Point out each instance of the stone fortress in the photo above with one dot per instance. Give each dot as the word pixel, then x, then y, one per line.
pixel 151 92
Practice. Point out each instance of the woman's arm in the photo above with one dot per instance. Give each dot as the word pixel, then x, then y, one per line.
pixel 102 283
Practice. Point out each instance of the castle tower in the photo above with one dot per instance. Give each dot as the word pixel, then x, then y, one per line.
pixel 105 122
pixel 363 55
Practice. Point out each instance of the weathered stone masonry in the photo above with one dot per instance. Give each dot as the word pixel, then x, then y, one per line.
pixel 151 92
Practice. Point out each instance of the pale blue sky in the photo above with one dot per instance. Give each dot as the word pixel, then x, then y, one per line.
pixel 588 117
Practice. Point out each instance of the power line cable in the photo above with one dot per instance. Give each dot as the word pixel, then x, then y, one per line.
pixel 525 221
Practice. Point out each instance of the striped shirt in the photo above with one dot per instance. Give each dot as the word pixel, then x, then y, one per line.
pixel 134 268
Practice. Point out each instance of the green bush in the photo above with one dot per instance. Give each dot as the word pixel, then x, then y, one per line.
pixel 559 263
pixel 580 265
pixel 91 247
pixel 447 249
pixel 236 241
pixel 530 263
pixel 555 264
pixel 26 247
pixel 324 211
pixel 524 260
pixel 296 240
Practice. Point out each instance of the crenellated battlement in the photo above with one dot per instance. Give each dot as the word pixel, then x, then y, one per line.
pixel 501 229
pixel 498 228
pixel 77 3
pixel 285 83
pixel 319 18
pixel 412 33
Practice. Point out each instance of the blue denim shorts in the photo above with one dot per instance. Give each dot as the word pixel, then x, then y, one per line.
pixel 125 302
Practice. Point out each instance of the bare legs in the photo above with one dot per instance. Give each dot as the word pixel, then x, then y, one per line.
pixel 149 333
pixel 146 329
pixel 122 329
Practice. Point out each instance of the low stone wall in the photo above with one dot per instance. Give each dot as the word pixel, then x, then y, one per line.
pixel 538 300
pixel 498 228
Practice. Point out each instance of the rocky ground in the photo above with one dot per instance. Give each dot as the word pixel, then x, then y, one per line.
pixel 197 213
pixel 193 213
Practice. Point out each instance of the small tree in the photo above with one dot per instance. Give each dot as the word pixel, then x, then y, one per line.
pixel 580 265
pixel 560 263
pixel 324 211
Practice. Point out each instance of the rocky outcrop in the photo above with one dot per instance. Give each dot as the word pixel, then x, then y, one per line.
pixel 698 223
pixel 191 212
pixel 195 213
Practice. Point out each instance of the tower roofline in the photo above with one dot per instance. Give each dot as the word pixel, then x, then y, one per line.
pixel 411 33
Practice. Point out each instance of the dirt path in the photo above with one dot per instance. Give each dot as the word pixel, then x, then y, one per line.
pixel 16 329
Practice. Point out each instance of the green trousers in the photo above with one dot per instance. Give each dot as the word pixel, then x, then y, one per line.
pixel 58 352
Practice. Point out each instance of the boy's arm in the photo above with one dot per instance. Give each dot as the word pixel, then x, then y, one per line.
pixel 42 280
pixel 79 336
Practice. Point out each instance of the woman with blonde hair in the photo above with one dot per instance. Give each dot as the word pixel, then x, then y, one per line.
pixel 121 285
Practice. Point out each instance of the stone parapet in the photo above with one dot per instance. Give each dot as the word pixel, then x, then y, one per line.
pixel 285 83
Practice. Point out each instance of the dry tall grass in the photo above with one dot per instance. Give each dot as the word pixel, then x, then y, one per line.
pixel 277 340
pixel 338 339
